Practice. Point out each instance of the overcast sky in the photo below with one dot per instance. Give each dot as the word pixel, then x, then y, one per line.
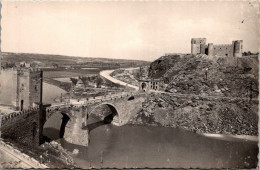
pixel 128 30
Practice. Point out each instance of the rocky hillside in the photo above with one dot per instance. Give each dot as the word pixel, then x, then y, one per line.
pixel 201 115
pixel 203 75
pixel 204 94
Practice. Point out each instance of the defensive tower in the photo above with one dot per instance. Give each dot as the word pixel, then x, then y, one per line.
pixel 197 45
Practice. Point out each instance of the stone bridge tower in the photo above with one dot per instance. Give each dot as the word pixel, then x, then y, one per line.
pixel 26 88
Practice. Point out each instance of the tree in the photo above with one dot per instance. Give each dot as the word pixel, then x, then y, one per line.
pixel 74 81
pixel 84 81
pixel 99 81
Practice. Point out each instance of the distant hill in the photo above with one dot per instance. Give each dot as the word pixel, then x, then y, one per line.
pixel 65 60
pixel 201 74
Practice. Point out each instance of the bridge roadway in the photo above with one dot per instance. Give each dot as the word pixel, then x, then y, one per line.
pixel 93 100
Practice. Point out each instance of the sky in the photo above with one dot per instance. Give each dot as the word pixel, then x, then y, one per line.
pixel 125 29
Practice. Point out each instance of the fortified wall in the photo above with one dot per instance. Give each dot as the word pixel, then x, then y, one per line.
pixel 20 87
pixel 199 46
pixel 21 126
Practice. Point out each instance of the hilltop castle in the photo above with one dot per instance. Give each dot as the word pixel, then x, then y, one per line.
pixel 198 46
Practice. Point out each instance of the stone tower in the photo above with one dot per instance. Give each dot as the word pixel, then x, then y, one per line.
pixel 27 87
pixel 238 48
pixel 210 49
pixel 198 45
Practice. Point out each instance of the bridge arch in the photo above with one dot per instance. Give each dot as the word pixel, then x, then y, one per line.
pixel 59 120
pixel 111 117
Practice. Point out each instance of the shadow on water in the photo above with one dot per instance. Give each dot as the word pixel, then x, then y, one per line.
pixel 158 146
pixel 107 120
pixel 53 133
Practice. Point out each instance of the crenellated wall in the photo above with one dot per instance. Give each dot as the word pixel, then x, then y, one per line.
pixel 21 126
pixel 223 50
pixel 198 46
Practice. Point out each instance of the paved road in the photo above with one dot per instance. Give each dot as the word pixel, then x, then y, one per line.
pixel 106 74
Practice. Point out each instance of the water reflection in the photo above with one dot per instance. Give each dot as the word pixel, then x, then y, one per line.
pixel 140 146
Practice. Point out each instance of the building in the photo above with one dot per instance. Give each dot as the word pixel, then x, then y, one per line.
pixel 145 85
pixel 20 87
pixel 199 46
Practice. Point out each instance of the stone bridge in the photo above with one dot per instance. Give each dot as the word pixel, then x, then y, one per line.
pixel 74 127
pixel 27 126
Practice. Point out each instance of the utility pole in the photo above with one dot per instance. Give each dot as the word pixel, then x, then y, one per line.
pixel 41 114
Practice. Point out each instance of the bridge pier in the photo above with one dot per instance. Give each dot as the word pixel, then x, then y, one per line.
pixel 75 130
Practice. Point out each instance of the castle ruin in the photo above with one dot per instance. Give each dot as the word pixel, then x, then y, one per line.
pixel 199 46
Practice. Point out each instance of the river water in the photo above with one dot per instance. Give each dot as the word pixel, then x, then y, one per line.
pixel 51 92
pixel 132 146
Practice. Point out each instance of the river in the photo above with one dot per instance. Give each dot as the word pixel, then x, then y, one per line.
pixel 132 146
pixel 51 92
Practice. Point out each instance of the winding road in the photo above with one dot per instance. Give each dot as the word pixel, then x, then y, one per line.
pixel 106 74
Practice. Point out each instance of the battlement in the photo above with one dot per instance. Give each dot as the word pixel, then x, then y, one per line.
pixel 198 41
pixel 27 69
pixel 15 115
pixel 222 45
pixel 198 46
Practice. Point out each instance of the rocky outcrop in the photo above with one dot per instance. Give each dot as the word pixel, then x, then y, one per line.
pixel 202 115
pixel 204 94
pixel 204 75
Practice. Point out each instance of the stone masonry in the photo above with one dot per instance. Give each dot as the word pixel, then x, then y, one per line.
pixel 198 46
